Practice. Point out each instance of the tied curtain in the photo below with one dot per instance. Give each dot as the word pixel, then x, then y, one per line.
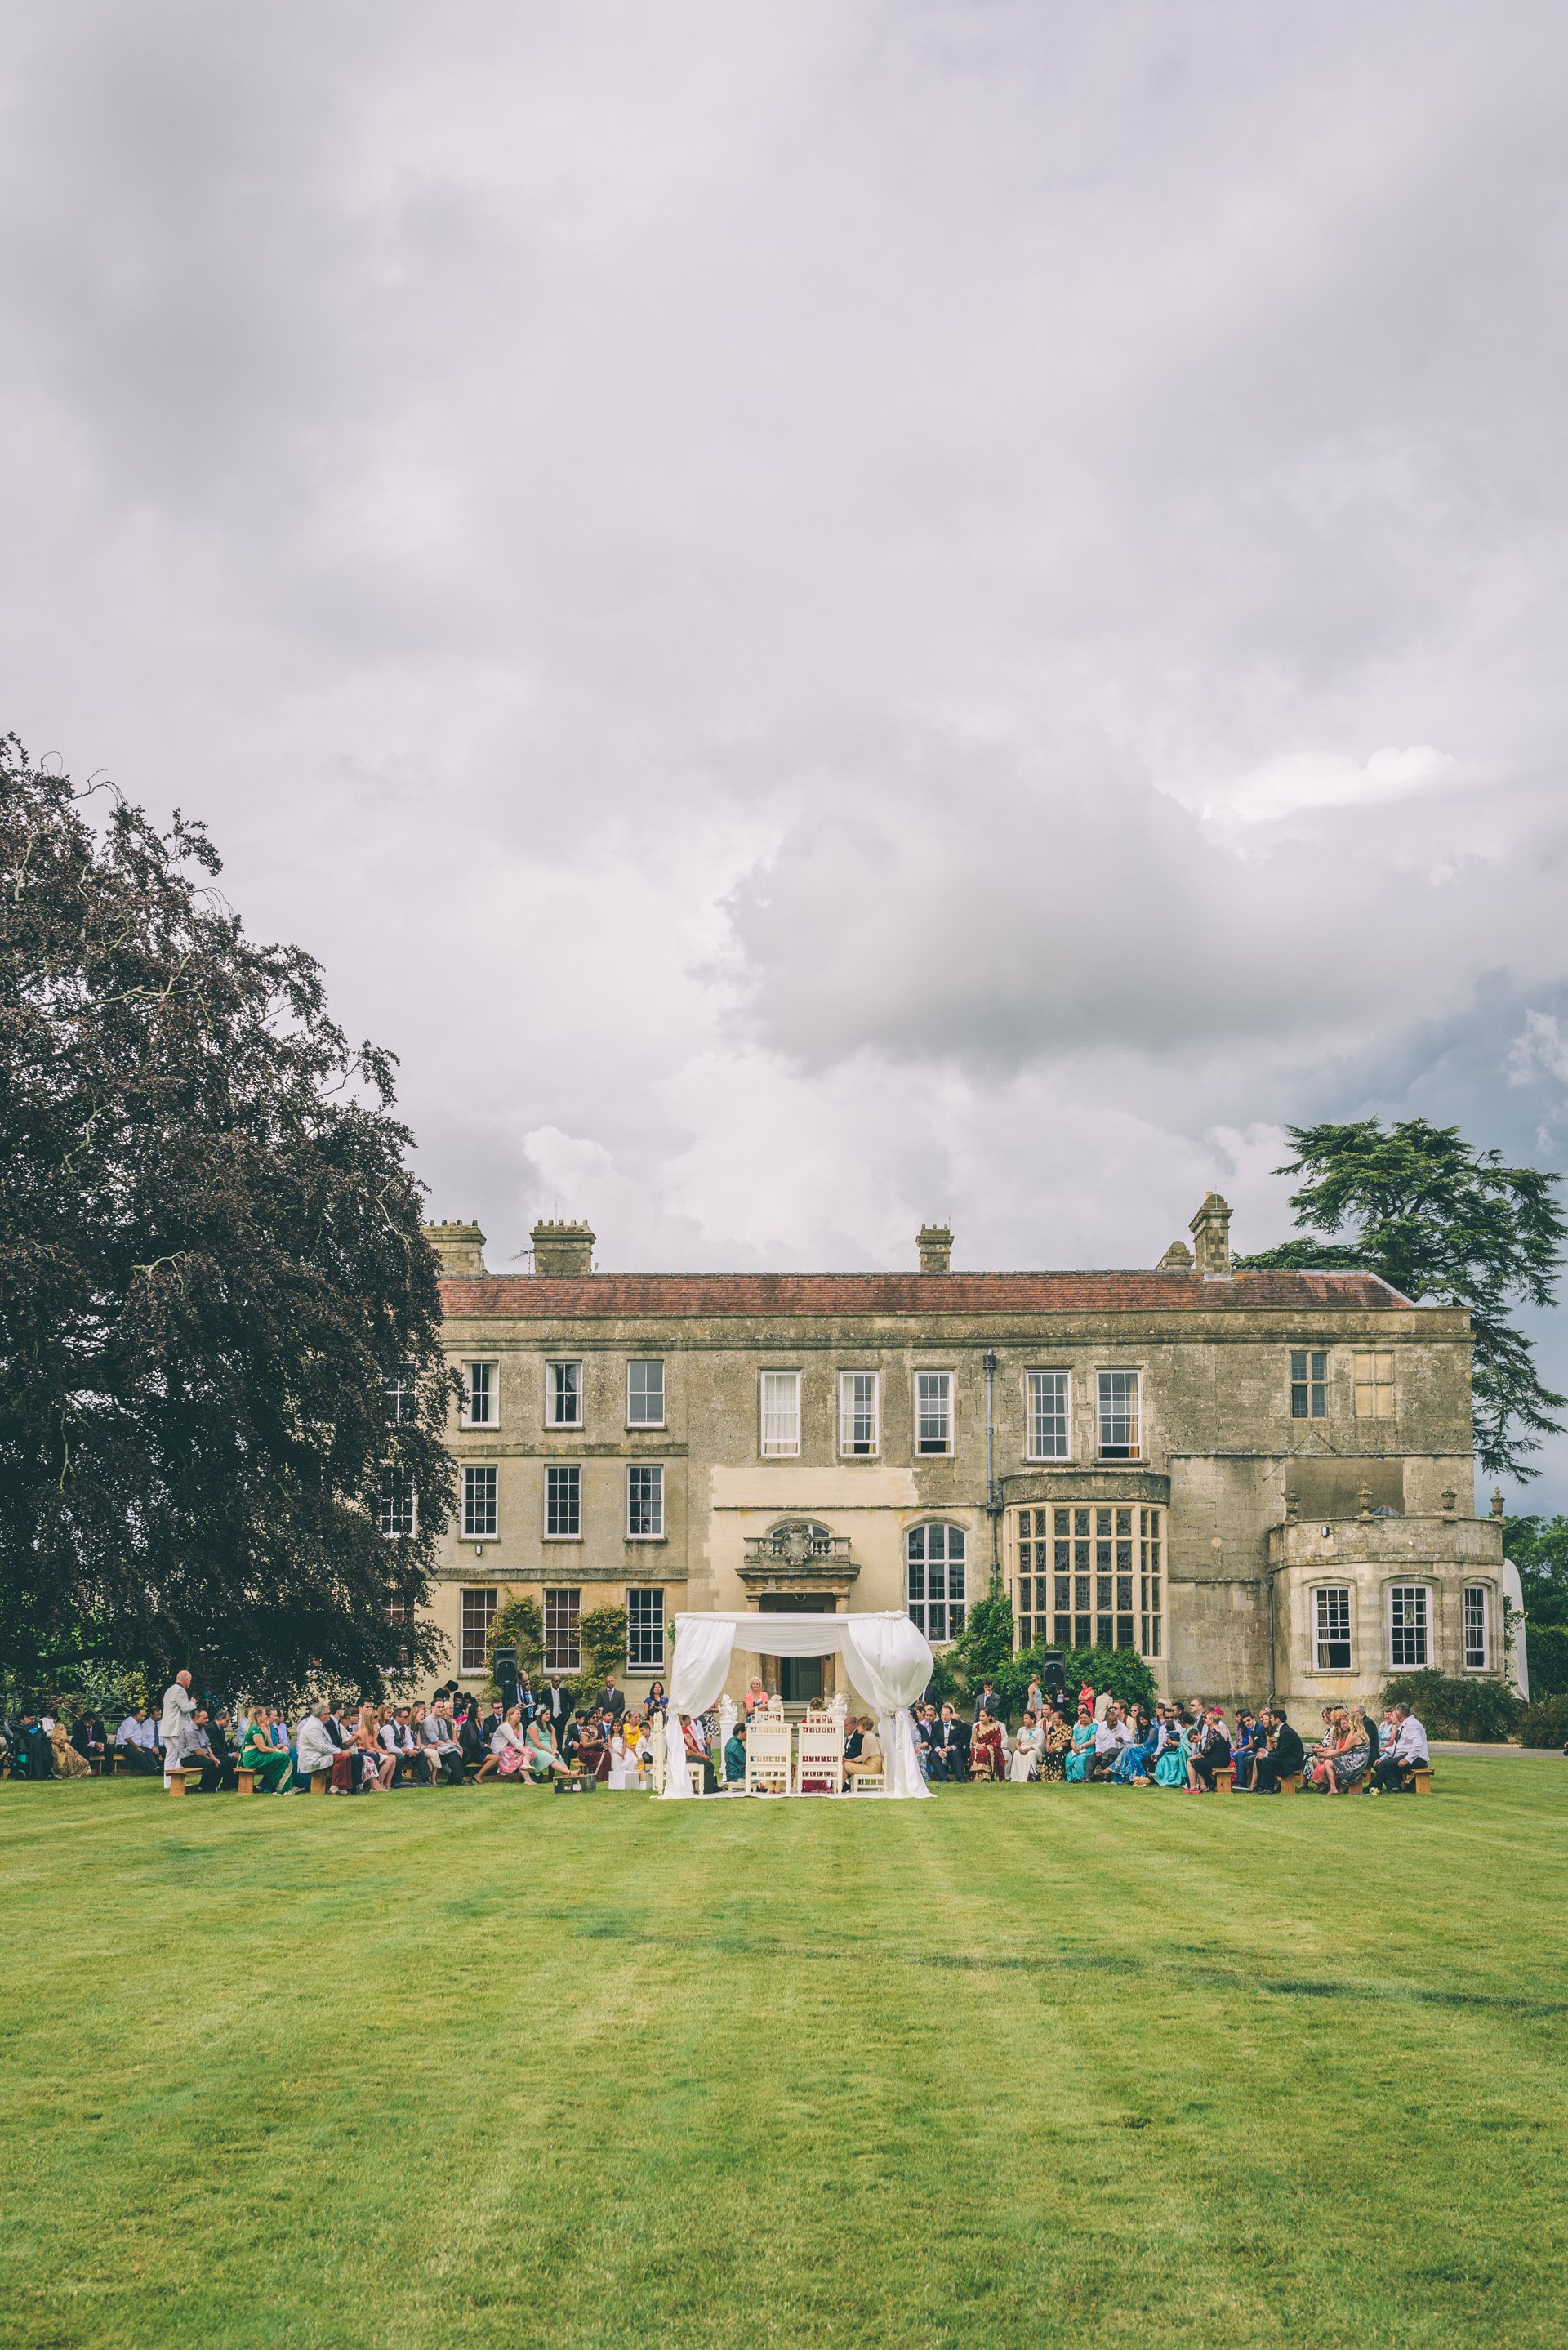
pixel 885 1659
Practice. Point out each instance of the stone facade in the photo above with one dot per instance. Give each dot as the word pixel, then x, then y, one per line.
pixel 1254 1479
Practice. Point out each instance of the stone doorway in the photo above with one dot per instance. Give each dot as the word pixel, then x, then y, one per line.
pixel 799 1681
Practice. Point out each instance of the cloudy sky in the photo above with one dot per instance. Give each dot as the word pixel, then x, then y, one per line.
pixel 827 613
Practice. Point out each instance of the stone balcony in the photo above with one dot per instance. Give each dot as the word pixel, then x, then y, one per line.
pixel 796 1558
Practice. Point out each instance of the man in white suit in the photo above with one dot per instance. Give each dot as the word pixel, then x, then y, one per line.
pixel 175 1731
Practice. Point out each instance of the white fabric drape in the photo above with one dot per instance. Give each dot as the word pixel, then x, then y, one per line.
pixel 887 1660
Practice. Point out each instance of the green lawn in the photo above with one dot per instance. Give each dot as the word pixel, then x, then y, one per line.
pixel 486 2069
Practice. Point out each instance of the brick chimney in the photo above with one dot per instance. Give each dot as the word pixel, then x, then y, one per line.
pixel 460 1247
pixel 935 1243
pixel 1210 1230
pixel 562 1248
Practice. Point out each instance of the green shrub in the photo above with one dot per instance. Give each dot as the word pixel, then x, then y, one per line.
pixel 983 1649
pixel 1544 1721
pixel 1546 1650
pixel 1120 1670
pixel 519 1624
pixel 1450 1707
pixel 601 1635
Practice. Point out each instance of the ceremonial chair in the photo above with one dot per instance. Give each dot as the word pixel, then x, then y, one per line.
pixel 819 1753
pixel 769 1743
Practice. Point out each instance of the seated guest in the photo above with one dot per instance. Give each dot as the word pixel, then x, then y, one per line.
pixel 697 1753
pixel 441 1739
pixel 1113 1736
pixel 1027 1749
pixel 1408 1749
pixel 852 1740
pixel 378 1766
pixel 923 1722
pixel 1210 1752
pixel 1080 1760
pixel 470 1737
pixel 68 1763
pixel 89 1737
pixel 592 1750
pixel 755 1700
pixel 867 1762
pixel 1242 1747
pixel 1282 1755
pixel 543 1757
pixel 314 1744
pixel 1057 1737
pixel 34 1754
pixel 1353 1754
pixel 1131 1767
pixel 734 1758
pixel 655 1701
pixel 133 1745
pixel 1174 1746
pixel 508 1753
pixel 273 1769
pixel 490 1722
pixel 950 1746
pixel 985 1756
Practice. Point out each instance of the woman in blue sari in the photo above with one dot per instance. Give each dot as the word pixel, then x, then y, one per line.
pixel 1131 1766
pixel 1081 1758
pixel 1170 1769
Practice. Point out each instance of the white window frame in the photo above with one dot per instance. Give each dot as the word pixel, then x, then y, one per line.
pixel 646 1663
pixel 574 1661
pixel 570 1470
pixel 472 1507
pixel 652 1501
pixel 403 1386
pixel 1032 1417
pixel 641 1362
pixel 1482 1592
pixel 1134 1450
pixel 848 1412
pixel 490 1364
pixel 951 1609
pixel 924 1452
pixel 1396 1591
pixel 777 1384
pixel 1320 1638
pixel 474 1639
pixel 562 1363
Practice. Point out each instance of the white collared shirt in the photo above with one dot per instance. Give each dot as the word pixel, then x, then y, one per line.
pixel 1410 1745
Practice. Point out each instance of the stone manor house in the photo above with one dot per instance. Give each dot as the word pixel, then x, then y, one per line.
pixel 1261 1482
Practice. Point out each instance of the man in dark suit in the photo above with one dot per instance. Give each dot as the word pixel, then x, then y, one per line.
pixel 1283 1755
pixel 555 1707
pixel 609 1699
pixel 989 1703
pixel 949 1747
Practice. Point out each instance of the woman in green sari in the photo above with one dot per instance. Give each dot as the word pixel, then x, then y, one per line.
pixel 270 1763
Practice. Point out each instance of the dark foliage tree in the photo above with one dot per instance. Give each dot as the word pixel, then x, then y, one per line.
pixel 219 1331
pixel 1440 1219
pixel 1539 1548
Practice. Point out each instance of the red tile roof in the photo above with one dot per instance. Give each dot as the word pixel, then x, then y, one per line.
pixel 634 1297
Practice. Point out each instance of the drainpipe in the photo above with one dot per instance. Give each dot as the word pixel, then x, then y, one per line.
pixel 992 1499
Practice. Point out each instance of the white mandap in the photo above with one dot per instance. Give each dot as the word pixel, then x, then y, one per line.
pixel 886 1659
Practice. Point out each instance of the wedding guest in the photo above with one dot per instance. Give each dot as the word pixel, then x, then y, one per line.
pixel 755 1700
pixel 734 1758
pixel 985 1759
pixel 257 1753
pixel 1281 1757
pixel 1408 1748
pixel 867 1762
pixel 950 1746
pixel 1210 1752
pixel 1243 1748
pixel 68 1763
pixel 1175 1748
pixel 1057 1739
pixel 1027 1749
pixel 655 1701
pixel 136 1741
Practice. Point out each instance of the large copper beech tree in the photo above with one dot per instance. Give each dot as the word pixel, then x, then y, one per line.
pixel 221 1385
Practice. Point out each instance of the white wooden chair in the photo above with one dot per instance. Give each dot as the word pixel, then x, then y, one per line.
pixel 768 1758
pixel 819 1753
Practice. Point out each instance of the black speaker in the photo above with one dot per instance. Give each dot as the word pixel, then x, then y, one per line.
pixel 1053 1675
pixel 503 1666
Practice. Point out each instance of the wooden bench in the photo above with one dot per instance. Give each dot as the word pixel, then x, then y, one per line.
pixel 321 1781
pixel 179 1781
pixel 1224 1780
pixel 1422 1775
pixel 1291 1784
pixel 247 1779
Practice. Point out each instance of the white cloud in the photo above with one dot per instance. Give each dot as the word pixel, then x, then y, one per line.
pixel 825 612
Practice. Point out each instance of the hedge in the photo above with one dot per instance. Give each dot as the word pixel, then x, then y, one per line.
pixel 1450 1707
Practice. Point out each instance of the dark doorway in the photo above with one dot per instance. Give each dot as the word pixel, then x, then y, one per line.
pixel 800 1678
